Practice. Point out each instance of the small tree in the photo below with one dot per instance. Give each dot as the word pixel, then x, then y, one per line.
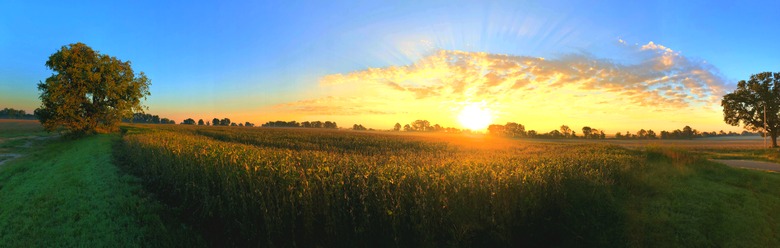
pixel 397 127
pixel 651 134
pixel 642 133
pixel 200 122
pixel 566 131
pixel 421 125
pixel 495 129
pixel 586 130
pixel 687 132
pixel 515 130
pixel 89 91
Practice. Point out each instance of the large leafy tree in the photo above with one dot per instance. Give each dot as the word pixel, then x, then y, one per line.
pixel 88 91
pixel 751 101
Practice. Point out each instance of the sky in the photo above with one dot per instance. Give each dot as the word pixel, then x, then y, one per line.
pixel 611 65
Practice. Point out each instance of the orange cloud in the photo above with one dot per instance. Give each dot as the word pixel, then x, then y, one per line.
pixel 518 87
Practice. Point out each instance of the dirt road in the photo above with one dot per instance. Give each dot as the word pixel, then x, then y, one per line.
pixel 750 164
pixel 8 154
pixel 5 157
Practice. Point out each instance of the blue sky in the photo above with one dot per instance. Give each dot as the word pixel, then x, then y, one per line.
pixel 241 58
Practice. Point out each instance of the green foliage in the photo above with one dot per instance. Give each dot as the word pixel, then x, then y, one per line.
pixel 692 202
pixel 68 193
pixel 189 121
pixel 335 189
pixel 148 118
pixel 329 188
pixel 89 91
pixel 224 122
pixel 752 101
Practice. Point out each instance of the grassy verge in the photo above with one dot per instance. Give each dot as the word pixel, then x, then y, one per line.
pixel 697 203
pixel 69 193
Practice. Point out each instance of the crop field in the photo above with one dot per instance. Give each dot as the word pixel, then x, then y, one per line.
pixel 299 187
pixel 14 128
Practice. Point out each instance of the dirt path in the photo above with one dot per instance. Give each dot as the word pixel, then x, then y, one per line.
pixel 8 156
pixel 750 164
pixel 5 157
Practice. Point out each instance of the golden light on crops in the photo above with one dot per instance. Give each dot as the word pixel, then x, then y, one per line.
pixel 475 117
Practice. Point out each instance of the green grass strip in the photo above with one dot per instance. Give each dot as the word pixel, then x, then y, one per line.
pixel 69 193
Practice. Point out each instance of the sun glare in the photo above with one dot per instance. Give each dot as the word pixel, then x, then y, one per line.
pixel 475 117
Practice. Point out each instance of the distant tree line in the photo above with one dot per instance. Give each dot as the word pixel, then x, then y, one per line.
pixel 10 113
pixel 424 126
pixel 359 127
pixel 686 133
pixel 155 119
pixel 305 124
pixel 515 130
pixel 148 119
pixel 217 122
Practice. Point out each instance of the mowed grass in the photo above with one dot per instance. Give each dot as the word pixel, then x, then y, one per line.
pixel 69 193
pixel 760 154
pixel 288 187
pixel 692 202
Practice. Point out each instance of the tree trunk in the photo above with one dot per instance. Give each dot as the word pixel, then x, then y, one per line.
pixel 774 141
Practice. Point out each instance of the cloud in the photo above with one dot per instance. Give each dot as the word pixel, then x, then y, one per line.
pixel 461 75
pixel 661 80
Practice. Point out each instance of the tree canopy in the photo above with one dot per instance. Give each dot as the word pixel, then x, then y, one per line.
pixel 89 91
pixel 755 102
pixel 188 121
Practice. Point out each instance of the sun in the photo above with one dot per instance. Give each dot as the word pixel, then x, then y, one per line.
pixel 475 117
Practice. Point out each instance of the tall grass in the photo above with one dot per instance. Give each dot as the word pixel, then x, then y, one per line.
pixel 303 188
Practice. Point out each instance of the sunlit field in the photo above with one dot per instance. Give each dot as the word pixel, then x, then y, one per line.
pixel 336 188
pixel 738 143
pixel 16 128
pixel 389 124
